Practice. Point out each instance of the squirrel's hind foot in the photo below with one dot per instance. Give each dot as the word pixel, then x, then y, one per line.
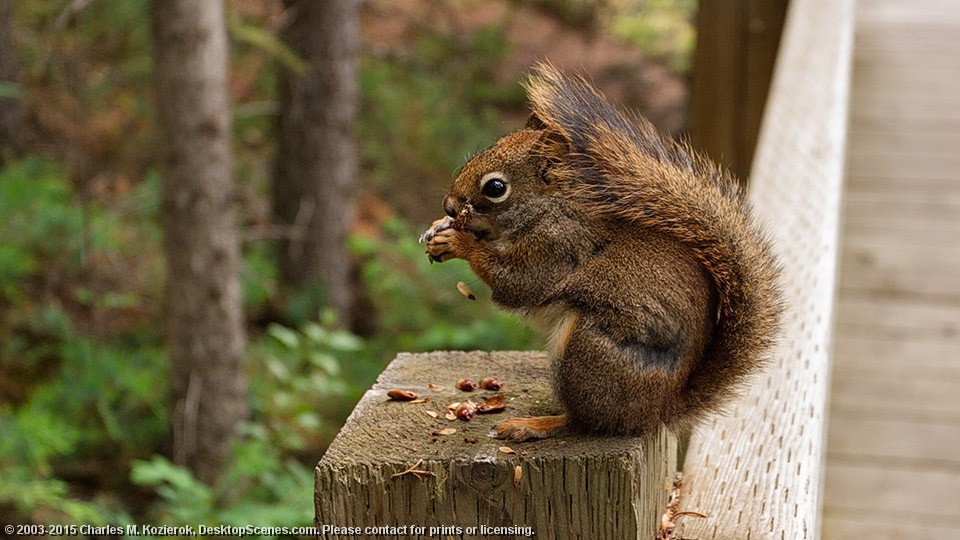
pixel 534 427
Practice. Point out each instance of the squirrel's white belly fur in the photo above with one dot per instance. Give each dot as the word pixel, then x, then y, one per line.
pixel 556 322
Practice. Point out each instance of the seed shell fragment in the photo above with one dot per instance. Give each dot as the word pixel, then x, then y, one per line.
pixel 490 383
pixel 493 404
pixel 466 410
pixel 464 289
pixel 402 395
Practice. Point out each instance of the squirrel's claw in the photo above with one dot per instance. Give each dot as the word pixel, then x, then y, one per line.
pixel 439 225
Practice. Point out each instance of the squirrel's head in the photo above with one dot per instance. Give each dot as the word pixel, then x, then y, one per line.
pixel 507 183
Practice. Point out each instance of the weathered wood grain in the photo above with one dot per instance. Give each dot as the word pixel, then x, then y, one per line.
pixel 878 349
pixel 571 487
pixel 929 443
pixel 927 492
pixel 889 527
pixel 893 470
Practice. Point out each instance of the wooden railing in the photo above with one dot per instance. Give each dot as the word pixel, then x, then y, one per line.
pixel 755 473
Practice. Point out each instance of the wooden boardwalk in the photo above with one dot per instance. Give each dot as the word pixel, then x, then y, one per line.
pixel 893 462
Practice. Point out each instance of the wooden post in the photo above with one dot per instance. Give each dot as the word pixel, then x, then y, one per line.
pixel 569 487
pixel 737 43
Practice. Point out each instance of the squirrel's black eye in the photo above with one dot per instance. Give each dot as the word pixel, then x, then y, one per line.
pixel 494 187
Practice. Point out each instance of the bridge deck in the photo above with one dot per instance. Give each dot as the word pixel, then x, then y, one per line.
pixel 893 462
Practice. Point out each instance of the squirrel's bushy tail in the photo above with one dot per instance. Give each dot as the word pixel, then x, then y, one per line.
pixel 623 168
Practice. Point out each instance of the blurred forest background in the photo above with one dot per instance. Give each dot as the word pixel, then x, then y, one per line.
pixel 101 336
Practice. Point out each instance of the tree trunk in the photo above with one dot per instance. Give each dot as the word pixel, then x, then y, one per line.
pixel 11 107
pixel 316 166
pixel 205 334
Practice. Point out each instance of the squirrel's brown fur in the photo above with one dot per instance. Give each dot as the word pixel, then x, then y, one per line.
pixel 636 256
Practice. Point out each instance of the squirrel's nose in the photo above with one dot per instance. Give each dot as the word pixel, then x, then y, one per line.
pixel 450 206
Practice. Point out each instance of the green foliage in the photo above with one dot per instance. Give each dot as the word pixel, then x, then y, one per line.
pixel 298 373
pixel 33 437
pixel 104 398
pixel 49 500
pixel 422 115
pixel 254 35
pixel 9 89
pixel 88 67
pixel 81 399
pixel 184 498
pixel 113 394
pixel 265 487
pixel 51 237
pixel 661 28
pixel 105 401
pixel 259 276
pixel 259 488
pixel 36 222
pixel 299 376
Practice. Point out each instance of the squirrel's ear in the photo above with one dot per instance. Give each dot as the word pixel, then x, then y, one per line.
pixel 534 122
pixel 554 145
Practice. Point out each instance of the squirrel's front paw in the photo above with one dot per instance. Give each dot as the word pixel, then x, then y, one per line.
pixel 445 241
pixel 534 427
pixel 444 245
